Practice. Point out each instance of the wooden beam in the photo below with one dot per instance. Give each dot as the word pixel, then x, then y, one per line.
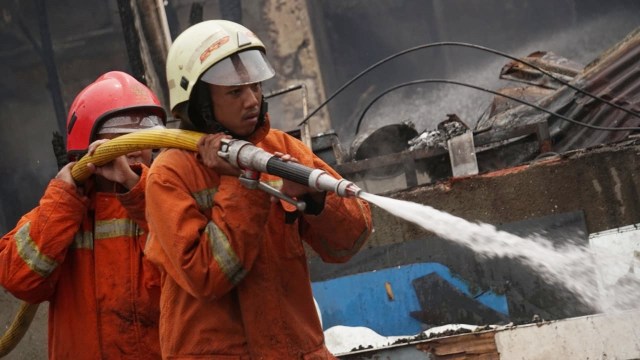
pixel 472 346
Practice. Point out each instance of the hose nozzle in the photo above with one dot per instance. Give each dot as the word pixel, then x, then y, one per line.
pixel 352 190
pixel 322 181
pixel 245 155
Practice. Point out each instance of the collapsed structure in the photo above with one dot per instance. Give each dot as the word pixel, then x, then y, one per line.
pixel 570 174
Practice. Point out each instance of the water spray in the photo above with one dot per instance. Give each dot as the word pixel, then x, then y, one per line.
pixel 253 161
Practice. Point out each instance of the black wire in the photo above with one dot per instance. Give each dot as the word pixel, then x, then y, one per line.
pixel 453 43
pixel 425 81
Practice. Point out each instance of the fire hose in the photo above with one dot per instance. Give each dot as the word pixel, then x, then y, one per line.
pixel 18 327
pixel 242 154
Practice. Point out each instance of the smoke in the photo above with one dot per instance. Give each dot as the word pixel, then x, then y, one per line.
pixel 427 105
pixel 584 42
pixel 28 161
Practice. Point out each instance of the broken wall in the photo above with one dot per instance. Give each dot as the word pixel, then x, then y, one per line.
pixel 564 198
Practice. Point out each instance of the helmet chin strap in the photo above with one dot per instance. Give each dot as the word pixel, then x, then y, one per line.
pixel 212 125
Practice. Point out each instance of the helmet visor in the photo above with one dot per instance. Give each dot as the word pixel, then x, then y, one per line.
pixel 124 124
pixel 246 67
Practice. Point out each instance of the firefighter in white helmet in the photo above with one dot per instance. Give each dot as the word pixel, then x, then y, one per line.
pixel 235 277
pixel 214 52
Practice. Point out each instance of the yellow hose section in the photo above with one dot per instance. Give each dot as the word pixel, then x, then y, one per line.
pixel 139 140
pixel 18 328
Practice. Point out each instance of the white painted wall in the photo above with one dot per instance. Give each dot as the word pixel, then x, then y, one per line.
pixel 604 336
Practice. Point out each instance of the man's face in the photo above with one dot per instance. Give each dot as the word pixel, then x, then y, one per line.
pixel 125 123
pixel 237 108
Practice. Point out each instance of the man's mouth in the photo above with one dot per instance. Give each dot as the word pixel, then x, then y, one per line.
pixel 251 117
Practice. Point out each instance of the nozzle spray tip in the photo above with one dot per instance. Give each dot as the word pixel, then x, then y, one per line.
pixel 353 190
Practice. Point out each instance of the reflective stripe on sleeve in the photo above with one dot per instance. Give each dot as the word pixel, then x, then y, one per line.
pixel 204 198
pixel 31 255
pixel 226 259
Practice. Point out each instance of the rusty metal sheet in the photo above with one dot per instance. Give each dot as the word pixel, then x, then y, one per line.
pixel 501 104
pixel 559 66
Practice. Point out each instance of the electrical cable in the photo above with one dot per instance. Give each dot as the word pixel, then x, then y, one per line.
pixel 425 81
pixel 478 47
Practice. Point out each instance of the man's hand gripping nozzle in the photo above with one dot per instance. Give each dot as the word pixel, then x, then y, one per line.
pixel 252 161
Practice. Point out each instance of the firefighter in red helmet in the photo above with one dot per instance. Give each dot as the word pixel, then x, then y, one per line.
pixel 81 248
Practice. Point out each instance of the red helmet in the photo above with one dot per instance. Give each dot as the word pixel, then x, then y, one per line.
pixel 112 93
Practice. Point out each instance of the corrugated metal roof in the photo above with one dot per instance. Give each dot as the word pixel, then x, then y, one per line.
pixel 614 76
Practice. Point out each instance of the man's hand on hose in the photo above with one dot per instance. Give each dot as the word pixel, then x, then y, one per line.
pixel 118 170
pixel 208 148
pixel 295 190
pixel 65 175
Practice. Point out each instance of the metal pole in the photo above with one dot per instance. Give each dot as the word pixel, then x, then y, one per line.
pixel 48 58
pixel 132 40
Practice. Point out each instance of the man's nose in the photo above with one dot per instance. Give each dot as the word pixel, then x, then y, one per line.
pixel 250 98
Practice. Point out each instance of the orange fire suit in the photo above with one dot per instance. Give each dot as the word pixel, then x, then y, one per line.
pixel 235 280
pixel 85 256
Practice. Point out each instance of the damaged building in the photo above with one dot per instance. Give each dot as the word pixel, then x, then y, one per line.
pixel 558 156
pixel 542 139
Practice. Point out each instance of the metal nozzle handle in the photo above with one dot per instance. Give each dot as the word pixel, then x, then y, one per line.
pixel 300 205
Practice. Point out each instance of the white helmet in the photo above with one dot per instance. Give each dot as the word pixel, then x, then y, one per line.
pixel 218 52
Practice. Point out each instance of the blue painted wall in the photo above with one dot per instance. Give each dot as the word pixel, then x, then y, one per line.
pixel 361 299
